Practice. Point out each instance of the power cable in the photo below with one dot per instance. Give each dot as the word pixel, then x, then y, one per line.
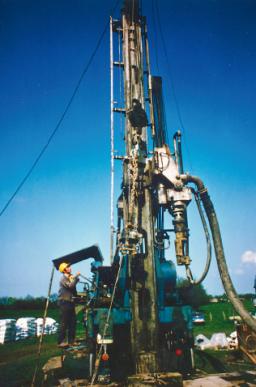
pixel 86 68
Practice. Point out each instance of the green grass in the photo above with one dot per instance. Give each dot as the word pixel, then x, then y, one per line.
pixel 217 318
pixel 53 313
pixel 18 359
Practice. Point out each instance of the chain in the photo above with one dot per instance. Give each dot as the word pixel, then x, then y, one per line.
pixel 134 173
pixel 131 226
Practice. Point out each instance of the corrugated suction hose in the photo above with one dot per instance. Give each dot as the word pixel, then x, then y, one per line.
pixel 219 251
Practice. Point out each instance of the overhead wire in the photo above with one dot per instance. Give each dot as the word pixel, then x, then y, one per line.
pixel 43 150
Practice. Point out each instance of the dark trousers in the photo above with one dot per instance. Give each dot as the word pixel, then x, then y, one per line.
pixel 67 321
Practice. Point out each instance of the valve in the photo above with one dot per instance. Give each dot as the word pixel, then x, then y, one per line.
pixel 130 241
pixel 179 214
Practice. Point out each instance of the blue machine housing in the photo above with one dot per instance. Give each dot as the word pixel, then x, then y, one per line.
pixel 167 296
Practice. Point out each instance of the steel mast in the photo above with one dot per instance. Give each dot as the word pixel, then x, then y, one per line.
pixel 138 231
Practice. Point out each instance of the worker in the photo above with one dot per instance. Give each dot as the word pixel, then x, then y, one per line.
pixel 67 292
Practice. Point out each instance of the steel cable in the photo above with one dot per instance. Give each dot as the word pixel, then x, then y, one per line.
pixel 98 357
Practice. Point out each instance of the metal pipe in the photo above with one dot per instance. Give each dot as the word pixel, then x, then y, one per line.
pixel 149 79
pixel 175 149
pixel 178 152
pixel 219 251
pixel 112 143
pixel 43 328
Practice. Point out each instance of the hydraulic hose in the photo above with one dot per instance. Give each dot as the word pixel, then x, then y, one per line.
pixel 219 251
pixel 208 242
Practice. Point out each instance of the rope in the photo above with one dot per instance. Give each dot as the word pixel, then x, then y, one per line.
pixel 42 334
pixel 98 357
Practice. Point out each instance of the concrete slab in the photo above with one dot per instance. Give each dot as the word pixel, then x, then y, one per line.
pixel 233 379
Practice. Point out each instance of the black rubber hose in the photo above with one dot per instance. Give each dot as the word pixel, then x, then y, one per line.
pixel 219 251
pixel 208 242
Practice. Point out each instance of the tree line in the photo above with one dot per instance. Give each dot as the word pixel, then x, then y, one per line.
pixel 195 296
pixel 28 302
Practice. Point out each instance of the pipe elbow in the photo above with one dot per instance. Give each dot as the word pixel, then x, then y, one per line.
pixel 186 178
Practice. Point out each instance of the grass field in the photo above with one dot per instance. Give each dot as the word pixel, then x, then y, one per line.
pixel 217 318
pixel 53 313
pixel 18 360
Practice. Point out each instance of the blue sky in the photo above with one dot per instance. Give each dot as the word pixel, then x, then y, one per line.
pixel 65 204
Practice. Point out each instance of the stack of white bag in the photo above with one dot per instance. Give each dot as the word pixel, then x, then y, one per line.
pixel 7 330
pixel 51 326
pixel 25 327
pixel 217 341
pixel 233 340
pixel 202 342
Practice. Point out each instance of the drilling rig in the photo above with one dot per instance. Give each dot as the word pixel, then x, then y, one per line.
pixel 137 322
pixel 158 328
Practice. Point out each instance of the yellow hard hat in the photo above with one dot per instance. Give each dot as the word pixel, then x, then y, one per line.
pixel 63 266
